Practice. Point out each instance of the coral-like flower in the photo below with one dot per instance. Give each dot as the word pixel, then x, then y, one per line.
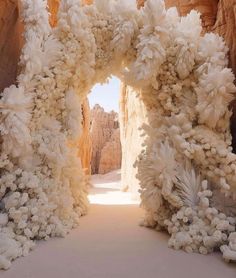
pixel 182 81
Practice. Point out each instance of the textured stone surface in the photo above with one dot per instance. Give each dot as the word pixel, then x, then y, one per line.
pixel 53 6
pixel 132 116
pixel 103 126
pixel 226 26
pixel 87 2
pixel 10 41
pixel 85 142
pixel 111 154
pixel 140 3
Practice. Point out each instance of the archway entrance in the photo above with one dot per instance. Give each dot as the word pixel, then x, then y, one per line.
pixel 106 129
pixel 181 79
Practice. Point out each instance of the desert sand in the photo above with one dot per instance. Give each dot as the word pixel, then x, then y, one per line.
pixel 109 243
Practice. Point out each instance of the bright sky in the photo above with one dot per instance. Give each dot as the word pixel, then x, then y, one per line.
pixel 106 95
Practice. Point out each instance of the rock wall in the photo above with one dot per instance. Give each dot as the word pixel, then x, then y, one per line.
pixel 11 43
pixel 226 26
pixel 85 142
pixel 111 154
pixel 53 6
pixel 105 136
pixel 131 117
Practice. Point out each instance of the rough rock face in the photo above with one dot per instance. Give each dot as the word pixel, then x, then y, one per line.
pixel 225 25
pixel 132 116
pixel 10 41
pixel 85 142
pixel 53 6
pixel 106 152
pixel 111 154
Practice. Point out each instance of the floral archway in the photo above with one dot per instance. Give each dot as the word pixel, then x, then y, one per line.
pixel 187 170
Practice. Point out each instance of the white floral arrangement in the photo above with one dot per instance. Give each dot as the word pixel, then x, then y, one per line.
pixel 187 170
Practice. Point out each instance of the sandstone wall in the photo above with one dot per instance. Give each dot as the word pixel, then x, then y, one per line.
pixel 132 116
pixel 105 136
pixel 85 142
pixel 53 6
pixel 111 154
pixel 10 41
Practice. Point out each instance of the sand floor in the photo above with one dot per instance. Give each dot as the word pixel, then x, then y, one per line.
pixel 109 243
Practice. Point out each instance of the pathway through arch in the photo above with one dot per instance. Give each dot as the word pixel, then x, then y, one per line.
pixel 109 244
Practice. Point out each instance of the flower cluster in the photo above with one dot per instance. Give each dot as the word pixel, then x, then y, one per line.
pixel 183 83
pixel 186 169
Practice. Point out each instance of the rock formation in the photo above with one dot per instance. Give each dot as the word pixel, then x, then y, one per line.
pixel 85 142
pixel 53 6
pixel 111 154
pixel 10 41
pixel 106 150
pixel 132 116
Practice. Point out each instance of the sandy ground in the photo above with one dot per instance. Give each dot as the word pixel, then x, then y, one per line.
pixel 110 244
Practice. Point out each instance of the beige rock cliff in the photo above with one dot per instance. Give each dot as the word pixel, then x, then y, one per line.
pixel 103 127
pixel 85 142
pixel 53 6
pixel 131 117
pixel 10 41
pixel 111 154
